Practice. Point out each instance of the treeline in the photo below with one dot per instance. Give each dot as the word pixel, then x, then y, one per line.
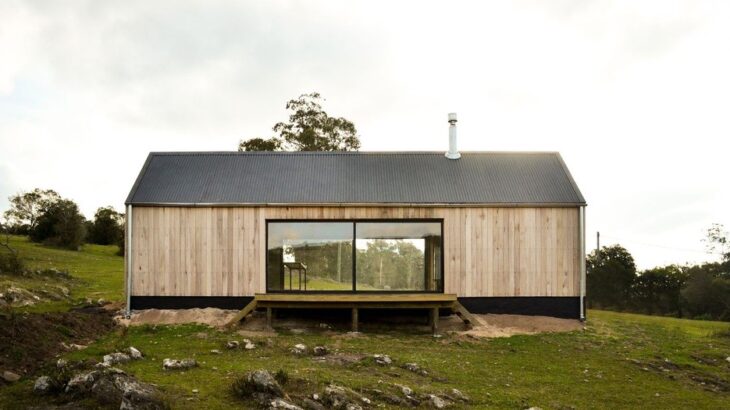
pixel 690 291
pixel 46 217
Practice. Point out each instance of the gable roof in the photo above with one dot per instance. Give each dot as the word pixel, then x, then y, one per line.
pixel 277 178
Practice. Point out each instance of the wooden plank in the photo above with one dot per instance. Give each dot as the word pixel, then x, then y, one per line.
pixel 487 251
pixel 355 297
pixel 248 309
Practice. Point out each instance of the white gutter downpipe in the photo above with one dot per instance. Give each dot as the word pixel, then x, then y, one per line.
pixel 453 151
pixel 582 233
pixel 128 253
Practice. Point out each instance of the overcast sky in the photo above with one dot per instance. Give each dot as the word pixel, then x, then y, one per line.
pixel 634 94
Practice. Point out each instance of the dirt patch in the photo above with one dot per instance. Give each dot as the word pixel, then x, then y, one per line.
pixel 29 340
pixel 490 325
pixel 208 316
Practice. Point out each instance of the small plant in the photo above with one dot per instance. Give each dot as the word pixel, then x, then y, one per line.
pixel 242 387
pixel 281 376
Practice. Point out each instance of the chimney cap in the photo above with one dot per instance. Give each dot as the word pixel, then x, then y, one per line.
pixel 452 117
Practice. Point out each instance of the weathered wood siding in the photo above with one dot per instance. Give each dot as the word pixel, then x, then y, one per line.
pixel 221 251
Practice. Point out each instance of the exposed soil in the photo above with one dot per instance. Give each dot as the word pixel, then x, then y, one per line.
pixel 208 316
pixel 489 325
pixel 29 340
pixel 508 325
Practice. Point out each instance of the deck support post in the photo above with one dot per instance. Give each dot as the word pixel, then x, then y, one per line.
pixel 354 319
pixel 269 317
pixel 434 319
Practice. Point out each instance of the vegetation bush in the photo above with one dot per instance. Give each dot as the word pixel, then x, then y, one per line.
pixel 61 224
pixel 106 228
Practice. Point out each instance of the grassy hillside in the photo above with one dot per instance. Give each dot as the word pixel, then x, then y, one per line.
pixel 618 361
pixel 96 271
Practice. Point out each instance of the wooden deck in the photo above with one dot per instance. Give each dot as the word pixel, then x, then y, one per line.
pixel 433 302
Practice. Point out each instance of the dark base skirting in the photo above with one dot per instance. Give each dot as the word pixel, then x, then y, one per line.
pixel 189 302
pixel 563 307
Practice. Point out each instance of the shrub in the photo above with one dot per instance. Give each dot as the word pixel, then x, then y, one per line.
pixel 61 224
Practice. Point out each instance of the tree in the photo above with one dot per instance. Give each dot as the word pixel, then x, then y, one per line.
pixel 309 128
pixel 708 291
pixel 658 290
pixel 610 274
pixel 716 241
pixel 260 144
pixel 60 224
pixel 26 207
pixel 106 229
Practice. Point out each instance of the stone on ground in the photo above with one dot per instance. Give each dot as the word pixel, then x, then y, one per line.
pixel 42 385
pixel 10 377
pixel 175 364
pixel 299 349
pixel 382 359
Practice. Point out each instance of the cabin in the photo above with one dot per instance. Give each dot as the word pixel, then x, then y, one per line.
pixel 487 232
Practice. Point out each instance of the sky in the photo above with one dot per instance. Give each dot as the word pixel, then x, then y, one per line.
pixel 634 94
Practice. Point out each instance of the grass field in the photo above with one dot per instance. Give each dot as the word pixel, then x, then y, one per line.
pixel 97 271
pixel 619 361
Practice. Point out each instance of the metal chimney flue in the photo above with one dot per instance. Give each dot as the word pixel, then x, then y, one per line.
pixel 453 151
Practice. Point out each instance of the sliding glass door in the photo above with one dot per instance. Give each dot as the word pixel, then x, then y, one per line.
pixel 349 256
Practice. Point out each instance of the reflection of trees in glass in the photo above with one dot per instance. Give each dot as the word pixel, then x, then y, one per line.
pixel 391 264
pixel 330 260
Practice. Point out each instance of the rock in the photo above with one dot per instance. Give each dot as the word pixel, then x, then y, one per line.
pixel 458 395
pixel 324 326
pixel 82 382
pixel 42 385
pixel 338 397
pixel 436 401
pixel 382 359
pixel 389 397
pixel 115 358
pixel 280 403
pixel 263 382
pixel 74 346
pixel 320 351
pixel 407 391
pixel 61 363
pixel 727 359
pixel 248 345
pixel 415 368
pixel 534 408
pixel 215 351
pixel 233 344
pixel 134 353
pixel 353 406
pixel 195 391
pixel 309 404
pixel 174 364
pixel 299 349
pixel 137 395
pixel 10 377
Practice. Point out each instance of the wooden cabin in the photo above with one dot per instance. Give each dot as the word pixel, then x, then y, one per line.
pixel 499 232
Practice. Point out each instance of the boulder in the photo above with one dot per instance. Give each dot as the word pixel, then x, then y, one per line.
pixel 248 345
pixel 42 385
pixel 436 401
pixel 10 377
pixel 263 382
pixel 309 404
pixel 456 394
pixel 233 344
pixel 320 351
pixel 382 359
pixel 137 395
pixel 338 397
pixel 82 382
pixel 134 353
pixel 280 403
pixel 407 391
pixel 174 364
pixel 299 349
pixel 115 358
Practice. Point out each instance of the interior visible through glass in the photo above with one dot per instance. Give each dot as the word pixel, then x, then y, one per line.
pixel 309 256
pixel 389 256
pixel 399 256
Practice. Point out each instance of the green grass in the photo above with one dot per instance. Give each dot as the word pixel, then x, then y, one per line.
pixel 97 271
pixel 617 362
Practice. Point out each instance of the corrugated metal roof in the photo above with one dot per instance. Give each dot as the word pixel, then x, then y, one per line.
pixel 198 178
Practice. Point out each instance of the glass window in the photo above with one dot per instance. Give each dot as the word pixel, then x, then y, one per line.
pixel 398 256
pixel 306 256
pixel 389 256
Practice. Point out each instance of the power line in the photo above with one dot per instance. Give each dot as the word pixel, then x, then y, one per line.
pixel 663 246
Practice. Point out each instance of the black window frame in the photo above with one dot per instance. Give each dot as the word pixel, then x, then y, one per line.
pixel 354 222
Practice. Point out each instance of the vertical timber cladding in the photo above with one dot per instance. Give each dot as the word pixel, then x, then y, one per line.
pixel 221 251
